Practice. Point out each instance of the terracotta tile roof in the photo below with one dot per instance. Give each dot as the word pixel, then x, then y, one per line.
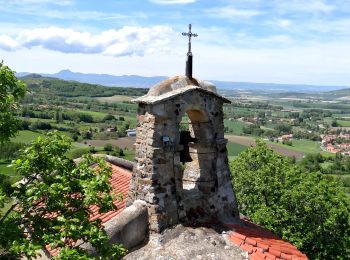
pixel 260 243
pixel 120 181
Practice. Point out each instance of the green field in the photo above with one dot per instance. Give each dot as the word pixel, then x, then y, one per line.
pixel 95 115
pixel 235 126
pixel 343 123
pixel 4 169
pixel 25 136
pixel 302 145
pixel 234 149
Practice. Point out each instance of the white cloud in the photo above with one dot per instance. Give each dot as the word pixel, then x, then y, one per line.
pixel 171 2
pixel 308 63
pixel 36 2
pixel 284 23
pixel 127 41
pixel 230 12
pixel 332 27
pixel 85 15
pixel 7 43
pixel 302 6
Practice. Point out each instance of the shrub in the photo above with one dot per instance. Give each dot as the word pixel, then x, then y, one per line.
pixel 108 147
pixel 305 208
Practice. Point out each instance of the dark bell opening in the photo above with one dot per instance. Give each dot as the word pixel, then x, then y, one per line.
pixel 185 139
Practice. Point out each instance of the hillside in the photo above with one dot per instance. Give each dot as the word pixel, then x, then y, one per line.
pixel 53 86
pixel 345 92
pixel 146 82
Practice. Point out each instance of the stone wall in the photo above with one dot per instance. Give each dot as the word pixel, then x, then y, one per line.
pixel 194 191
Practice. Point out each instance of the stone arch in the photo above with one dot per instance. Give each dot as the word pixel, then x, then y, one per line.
pixel 197 179
pixel 202 191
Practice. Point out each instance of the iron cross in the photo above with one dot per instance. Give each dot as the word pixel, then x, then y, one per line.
pixel 189 34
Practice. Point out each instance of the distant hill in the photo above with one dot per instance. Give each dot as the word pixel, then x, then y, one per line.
pixel 53 86
pixel 345 92
pixel 108 80
pixel 147 82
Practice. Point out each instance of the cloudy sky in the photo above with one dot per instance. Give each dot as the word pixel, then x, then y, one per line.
pixel 280 41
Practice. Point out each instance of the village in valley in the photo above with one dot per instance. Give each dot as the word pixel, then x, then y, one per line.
pixel 336 143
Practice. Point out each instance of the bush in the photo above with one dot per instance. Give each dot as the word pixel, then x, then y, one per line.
pixel 76 153
pixel 92 149
pixel 307 209
pixel 5 185
pixel 287 142
pixel 38 125
pixel 108 147
pixel 85 118
pixel 108 117
pixel 75 137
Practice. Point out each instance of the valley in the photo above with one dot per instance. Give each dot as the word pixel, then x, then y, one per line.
pixel 97 118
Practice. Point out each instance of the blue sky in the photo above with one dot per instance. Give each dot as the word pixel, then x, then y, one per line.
pixel 295 41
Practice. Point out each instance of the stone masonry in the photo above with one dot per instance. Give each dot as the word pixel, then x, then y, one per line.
pixel 182 180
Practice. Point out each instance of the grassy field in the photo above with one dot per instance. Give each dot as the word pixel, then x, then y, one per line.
pixel 95 115
pixel 235 149
pixel 4 169
pixel 344 123
pixel 25 136
pixel 235 125
pixel 304 146
pixel 298 149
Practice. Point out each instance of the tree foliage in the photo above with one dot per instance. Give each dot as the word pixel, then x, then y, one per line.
pixel 305 208
pixel 11 91
pixel 53 203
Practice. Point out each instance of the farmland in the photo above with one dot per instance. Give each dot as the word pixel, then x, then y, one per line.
pixel 96 119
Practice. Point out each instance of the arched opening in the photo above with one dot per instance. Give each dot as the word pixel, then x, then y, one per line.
pixel 197 181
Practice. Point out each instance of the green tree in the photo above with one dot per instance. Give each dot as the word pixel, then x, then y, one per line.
pixel 108 117
pixel 312 162
pixel 304 208
pixel 108 147
pixel 11 92
pixel 53 203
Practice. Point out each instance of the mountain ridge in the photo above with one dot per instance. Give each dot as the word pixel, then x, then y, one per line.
pixel 147 82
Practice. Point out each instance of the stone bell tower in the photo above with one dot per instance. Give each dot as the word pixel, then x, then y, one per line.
pixel 182 173
pixel 182 169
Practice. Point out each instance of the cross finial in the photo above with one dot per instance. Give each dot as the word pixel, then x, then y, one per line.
pixel 189 34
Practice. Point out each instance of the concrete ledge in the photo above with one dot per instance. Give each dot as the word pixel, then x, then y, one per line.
pixel 120 162
pixel 128 165
pixel 130 226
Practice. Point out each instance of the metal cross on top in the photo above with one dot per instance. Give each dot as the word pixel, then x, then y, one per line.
pixel 189 34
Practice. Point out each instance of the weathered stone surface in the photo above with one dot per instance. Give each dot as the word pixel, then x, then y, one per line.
pixel 182 243
pixel 197 187
pixel 128 228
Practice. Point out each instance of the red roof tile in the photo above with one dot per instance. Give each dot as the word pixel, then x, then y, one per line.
pixel 260 243
pixel 120 182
